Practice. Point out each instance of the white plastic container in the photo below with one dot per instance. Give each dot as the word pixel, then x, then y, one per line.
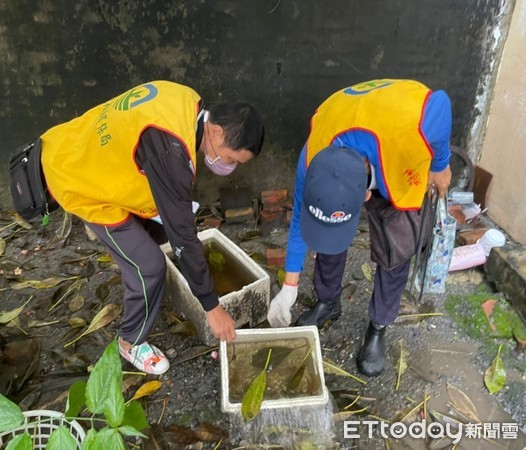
pixel 268 335
pixel 473 255
pixel 491 238
pixel 246 305
pixel 467 256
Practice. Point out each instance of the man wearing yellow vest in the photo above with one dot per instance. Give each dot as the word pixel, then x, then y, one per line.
pixel 387 138
pixel 132 160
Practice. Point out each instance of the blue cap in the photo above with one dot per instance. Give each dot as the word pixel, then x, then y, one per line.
pixel 333 194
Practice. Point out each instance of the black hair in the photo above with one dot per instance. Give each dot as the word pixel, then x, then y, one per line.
pixel 242 125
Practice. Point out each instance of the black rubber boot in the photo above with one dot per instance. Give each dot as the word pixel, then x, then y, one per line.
pixel 371 360
pixel 321 313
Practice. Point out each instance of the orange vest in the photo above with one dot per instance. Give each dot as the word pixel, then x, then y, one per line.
pixel 391 110
pixel 89 162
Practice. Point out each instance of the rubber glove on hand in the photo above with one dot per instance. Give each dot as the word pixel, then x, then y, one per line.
pixel 279 311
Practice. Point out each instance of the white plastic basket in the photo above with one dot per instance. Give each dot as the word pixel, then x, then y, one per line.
pixel 40 424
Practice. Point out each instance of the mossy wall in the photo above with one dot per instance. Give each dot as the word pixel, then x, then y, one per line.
pixel 58 58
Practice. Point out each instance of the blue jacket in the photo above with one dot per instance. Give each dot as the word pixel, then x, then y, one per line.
pixel 436 127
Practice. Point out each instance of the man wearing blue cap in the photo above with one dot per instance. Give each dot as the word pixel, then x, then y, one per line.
pixel 387 138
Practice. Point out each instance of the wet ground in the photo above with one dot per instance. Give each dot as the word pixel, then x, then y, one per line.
pixel 445 360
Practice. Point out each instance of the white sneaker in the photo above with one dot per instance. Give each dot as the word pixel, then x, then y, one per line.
pixel 145 357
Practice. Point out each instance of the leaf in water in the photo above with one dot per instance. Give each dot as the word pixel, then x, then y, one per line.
pixel 41 284
pixel 297 376
pixel 147 389
pixel 2 246
pixel 279 354
pixel 216 258
pixel 495 376
pixel 331 367
pixel 207 432
pixel 253 398
pixel 402 362
pixel 8 316
pixel 462 403
pixel 105 316
pixel 366 269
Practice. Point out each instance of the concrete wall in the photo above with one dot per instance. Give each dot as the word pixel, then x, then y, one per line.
pixel 58 58
pixel 504 150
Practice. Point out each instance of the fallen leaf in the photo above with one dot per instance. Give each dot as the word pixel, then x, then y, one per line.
pixel 76 303
pixel 105 316
pixel 147 389
pixel 366 269
pixel 495 376
pixel 8 316
pixel 191 353
pixel 462 403
pixel 253 397
pixel 41 284
pixel 331 367
pixel 402 362
pixel 2 246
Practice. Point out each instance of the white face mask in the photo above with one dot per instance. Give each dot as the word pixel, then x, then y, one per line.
pixel 219 167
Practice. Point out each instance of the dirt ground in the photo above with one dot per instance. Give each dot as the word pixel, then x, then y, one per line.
pixel 445 365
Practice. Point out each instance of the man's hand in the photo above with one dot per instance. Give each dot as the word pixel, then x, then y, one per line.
pixel 440 180
pixel 279 311
pixel 221 323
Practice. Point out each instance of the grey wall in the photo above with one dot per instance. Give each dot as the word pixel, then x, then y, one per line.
pixel 58 58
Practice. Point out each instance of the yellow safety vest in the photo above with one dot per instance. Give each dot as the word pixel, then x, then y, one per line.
pixel 391 110
pixel 89 162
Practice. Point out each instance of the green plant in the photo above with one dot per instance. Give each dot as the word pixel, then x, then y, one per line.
pixel 101 395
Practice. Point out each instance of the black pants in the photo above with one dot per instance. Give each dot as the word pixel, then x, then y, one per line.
pixel 389 285
pixel 134 246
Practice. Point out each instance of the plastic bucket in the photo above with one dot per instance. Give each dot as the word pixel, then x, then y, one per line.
pixel 40 424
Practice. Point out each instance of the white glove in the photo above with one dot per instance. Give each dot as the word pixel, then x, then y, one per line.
pixel 279 311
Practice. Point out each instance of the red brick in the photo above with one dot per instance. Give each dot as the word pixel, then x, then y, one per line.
pixel 274 196
pixel 276 256
pixel 236 215
pixel 272 207
pixel 267 216
pixel 212 222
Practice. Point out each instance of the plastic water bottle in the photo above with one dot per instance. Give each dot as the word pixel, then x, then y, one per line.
pixel 476 254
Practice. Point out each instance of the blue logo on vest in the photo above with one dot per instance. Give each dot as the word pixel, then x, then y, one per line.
pixel 364 88
pixel 135 97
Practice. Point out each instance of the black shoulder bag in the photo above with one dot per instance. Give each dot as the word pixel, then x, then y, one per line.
pixel 397 235
pixel 28 187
